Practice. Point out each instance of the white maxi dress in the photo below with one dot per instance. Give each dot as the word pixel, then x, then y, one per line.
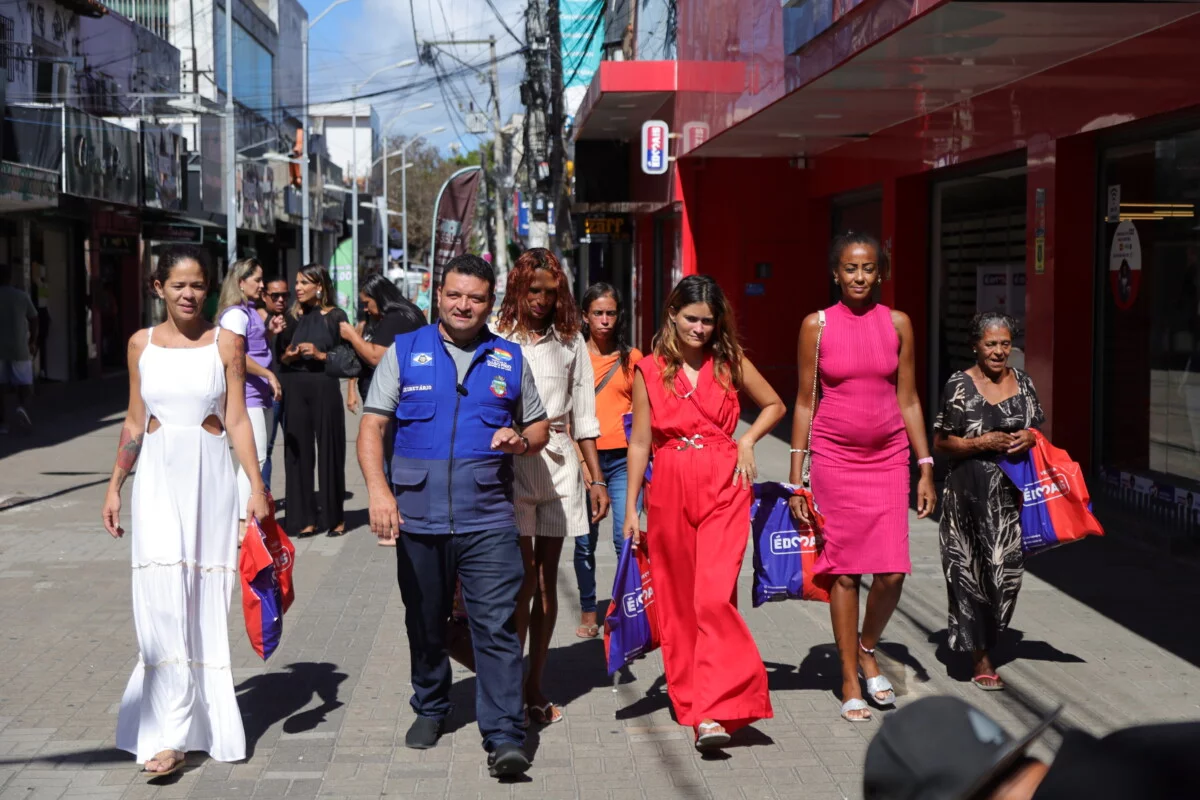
pixel 185 532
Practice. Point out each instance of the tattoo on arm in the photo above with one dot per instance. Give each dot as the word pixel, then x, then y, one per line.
pixel 128 451
pixel 238 364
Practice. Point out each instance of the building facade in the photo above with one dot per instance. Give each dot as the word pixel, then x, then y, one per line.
pixel 1037 158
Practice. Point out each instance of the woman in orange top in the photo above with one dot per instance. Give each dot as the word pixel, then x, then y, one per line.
pixel 612 364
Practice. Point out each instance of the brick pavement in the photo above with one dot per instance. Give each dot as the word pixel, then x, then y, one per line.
pixel 326 715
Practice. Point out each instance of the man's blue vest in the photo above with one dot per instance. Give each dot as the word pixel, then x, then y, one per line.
pixel 446 476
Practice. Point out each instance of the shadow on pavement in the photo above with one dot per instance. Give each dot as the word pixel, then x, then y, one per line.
pixel 274 696
pixel 1012 646
pixel 1146 591
pixel 19 500
pixel 64 411
pixel 106 755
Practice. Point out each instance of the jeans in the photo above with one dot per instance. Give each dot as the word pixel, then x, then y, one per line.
pixel 275 424
pixel 490 567
pixel 613 467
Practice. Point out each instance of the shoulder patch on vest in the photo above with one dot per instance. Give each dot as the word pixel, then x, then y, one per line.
pixel 421 359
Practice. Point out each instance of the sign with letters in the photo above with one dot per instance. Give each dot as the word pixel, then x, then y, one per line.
pixel 655 135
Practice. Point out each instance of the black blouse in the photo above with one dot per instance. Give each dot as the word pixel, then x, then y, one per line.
pixel 313 327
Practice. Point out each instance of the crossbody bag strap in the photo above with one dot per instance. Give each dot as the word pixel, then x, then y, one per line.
pixel 806 470
pixel 608 376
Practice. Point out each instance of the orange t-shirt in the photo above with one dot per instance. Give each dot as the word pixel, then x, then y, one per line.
pixel 614 400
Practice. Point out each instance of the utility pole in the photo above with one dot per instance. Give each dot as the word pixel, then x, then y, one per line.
pixel 557 151
pixel 535 96
pixel 230 144
pixel 500 245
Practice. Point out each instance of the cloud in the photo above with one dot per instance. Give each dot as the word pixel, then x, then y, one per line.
pixel 361 37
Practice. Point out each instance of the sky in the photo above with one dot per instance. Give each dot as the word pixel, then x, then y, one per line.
pixel 359 37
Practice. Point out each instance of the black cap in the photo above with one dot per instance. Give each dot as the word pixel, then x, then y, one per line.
pixel 941 748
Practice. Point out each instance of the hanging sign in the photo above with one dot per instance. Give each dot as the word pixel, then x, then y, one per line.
pixel 1125 265
pixel 694 135
pixel 655 135
pixel 1113 211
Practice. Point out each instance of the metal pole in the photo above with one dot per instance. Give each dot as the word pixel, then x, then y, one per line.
pixel 500 257
pixel 305 258
pixel 354 202
pixel 404 207
pixel 387 244
pixel 230 144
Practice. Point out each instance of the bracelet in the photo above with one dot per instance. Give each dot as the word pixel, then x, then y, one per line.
pixel 600 483
pixel 526 441
pixel 798 450
pixel 923 461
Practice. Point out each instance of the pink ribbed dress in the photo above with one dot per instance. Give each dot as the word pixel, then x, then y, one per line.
pixel 860 468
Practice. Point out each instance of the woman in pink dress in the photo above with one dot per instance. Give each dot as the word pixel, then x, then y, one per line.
pixel 867 415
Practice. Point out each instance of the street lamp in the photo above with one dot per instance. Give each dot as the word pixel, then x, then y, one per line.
pixel 383 131
pixel 305 245
pixel 404 189
pixel 408 62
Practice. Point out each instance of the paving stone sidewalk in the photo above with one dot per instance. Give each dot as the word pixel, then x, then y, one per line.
pixel 327 714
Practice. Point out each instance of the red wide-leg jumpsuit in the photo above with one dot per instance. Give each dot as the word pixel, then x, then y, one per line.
pixel 697 526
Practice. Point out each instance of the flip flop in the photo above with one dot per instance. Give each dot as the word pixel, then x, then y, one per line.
pixel 716 736
pixel 856 704
pixel 175 767
pixel 998 686
pixel 587 631
pixel 548 714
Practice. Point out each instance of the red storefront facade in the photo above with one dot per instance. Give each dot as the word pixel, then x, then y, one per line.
pixel 981 142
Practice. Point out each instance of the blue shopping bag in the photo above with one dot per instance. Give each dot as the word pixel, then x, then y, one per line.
pixel 630 628
pixel 785 551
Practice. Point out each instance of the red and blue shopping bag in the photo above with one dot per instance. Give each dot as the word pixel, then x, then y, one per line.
pixel 265 565
pixel 785 551
pixel 1056 508
pixel 631 626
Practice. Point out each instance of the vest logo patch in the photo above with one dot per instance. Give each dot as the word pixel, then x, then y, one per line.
pixel 418 387
pixel 499 386
pixel 496 363
pixel 503 355
pixel 421 359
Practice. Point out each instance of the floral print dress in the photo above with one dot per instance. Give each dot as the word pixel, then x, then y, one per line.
pixel 980 530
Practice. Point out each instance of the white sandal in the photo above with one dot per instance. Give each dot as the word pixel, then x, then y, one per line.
pixel 716 736
pixel 879 684
pixel 856 704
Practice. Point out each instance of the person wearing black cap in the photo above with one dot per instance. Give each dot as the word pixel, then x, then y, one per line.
pixel 943 748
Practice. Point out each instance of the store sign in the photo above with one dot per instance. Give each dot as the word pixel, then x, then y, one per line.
pixel 162 182
pixel 118 245
pixel 655 135
pixel 255 183
pixel 1125 265
pixel 23 187
pixel 101 160
pixel 694 135
pixel 606 228
pixel 173 232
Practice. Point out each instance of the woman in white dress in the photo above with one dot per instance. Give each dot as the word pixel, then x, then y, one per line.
pixel 552 501
pixel 187 402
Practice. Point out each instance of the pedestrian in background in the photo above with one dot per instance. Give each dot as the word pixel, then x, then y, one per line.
pixel 275 297
pixel 314 425
pixel 613 361
pixel 238 312
pixel 18 346
pixel 465 404
pixel 389 314
pixel 988 412
pixel 867 416
pixel 685 410
pixel 187 402
pixel 552 501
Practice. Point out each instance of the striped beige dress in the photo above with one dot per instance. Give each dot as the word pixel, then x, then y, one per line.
pixel 550 498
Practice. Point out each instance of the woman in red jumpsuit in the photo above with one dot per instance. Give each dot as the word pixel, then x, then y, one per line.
pixel 685 409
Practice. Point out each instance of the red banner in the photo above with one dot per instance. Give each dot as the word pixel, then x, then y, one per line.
pixel 454 218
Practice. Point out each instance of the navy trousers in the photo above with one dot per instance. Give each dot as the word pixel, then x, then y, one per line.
pixel 489 564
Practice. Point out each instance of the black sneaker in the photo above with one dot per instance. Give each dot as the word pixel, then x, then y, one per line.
pixel 423 733
pixel 507 760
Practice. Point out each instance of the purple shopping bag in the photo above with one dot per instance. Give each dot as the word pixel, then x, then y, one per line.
pixel 630 628
pixel 785 552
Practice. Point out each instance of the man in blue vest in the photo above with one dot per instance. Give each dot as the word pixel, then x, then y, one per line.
pixel 465 405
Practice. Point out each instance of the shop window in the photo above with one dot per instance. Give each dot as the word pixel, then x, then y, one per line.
pixel 1149 307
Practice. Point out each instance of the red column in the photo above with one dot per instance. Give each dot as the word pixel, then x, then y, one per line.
pixel 1060 280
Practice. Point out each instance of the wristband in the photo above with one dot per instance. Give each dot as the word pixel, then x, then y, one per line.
pixel 798 450
pixel 600 483
pixel 923 461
